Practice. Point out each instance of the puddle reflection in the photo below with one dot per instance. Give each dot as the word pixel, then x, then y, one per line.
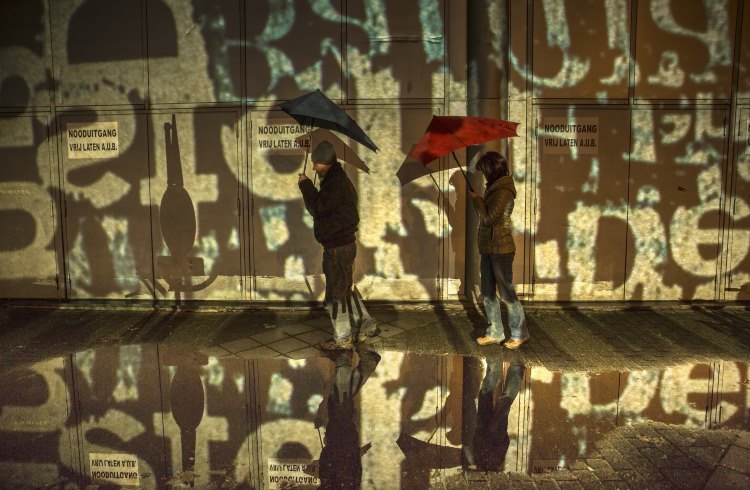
pixel 162 416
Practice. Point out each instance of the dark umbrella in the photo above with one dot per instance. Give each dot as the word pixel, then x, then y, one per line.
pixel 343 151
pixel 315 109
pixel 446 134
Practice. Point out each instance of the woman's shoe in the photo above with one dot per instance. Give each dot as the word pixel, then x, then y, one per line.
pixel 489 340
pixel 515 343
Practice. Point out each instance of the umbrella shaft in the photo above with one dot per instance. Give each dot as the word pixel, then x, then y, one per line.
pixel 462 171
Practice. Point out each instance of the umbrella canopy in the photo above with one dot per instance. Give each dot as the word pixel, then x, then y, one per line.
pixel 343 151
pixel 315 109
pixel 446 134
pixel 411 169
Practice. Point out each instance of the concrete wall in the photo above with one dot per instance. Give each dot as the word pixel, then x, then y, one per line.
pixel 655 208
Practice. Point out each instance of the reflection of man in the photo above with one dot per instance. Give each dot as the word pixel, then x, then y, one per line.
pixel 485 447
pixel 340 460
pixel 335 218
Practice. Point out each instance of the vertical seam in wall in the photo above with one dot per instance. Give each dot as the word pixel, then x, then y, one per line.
pixel 150 206
pixel 730 180
pixel 57 158
pixel 144 53
pixel 344 29
pixel 531 165
pixel 147 115
pixel 631 109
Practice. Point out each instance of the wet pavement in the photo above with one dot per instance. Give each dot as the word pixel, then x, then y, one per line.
pixel 603 396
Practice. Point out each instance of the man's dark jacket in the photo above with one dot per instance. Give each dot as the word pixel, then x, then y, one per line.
pixel 333 207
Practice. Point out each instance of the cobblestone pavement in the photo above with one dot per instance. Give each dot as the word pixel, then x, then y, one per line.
pixel 640 455
pixel 574 338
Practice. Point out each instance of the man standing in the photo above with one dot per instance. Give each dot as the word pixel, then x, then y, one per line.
pixel 335 220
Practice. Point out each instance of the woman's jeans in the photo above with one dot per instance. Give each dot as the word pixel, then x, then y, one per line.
pixel 497 273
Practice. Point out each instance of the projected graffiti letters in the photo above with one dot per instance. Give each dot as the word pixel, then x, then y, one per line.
pixel 385 61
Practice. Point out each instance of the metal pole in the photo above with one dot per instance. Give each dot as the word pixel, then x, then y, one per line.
pixel 487 96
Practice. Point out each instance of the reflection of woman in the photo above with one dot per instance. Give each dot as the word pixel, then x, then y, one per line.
pixel 497 249
pixel 487 446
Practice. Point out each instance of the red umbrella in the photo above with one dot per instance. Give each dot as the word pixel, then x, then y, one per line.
pixel 446 134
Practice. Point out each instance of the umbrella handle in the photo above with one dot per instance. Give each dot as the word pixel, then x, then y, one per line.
pixel 304 169
pixel 462 171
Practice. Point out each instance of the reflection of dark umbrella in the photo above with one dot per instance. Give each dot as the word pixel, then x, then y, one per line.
pixel 446 134
pixel 421 454
pixel 343 151
pixel 315 109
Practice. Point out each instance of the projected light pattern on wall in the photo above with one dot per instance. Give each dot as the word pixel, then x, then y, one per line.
pixel 183 417
pixel 652 206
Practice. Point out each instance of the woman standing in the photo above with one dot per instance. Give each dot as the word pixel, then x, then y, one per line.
pixel 497 249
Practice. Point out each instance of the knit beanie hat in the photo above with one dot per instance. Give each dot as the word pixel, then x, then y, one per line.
pixel 324 153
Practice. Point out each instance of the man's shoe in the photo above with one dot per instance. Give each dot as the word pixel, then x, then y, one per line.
pixel 515 343
pixel 333 344
pixel 489 340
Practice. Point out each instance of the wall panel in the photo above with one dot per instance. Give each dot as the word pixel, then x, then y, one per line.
pixel 107 216
pixel 293 48
pixel 195 194
pixel 98 53
pixel 194 51
pixel 286 258
pixel 581 49
pixel 685 51
pixel 28 244
pixel 738 261
pixel 743 85
pixel 675 191
pixel 398 53
pixel 581 203
pixel 24 54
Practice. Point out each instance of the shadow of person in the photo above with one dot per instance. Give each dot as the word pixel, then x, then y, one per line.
pixel 340 464
pixel 485 447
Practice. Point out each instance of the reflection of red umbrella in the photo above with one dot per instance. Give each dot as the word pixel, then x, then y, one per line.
pixel 446 134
